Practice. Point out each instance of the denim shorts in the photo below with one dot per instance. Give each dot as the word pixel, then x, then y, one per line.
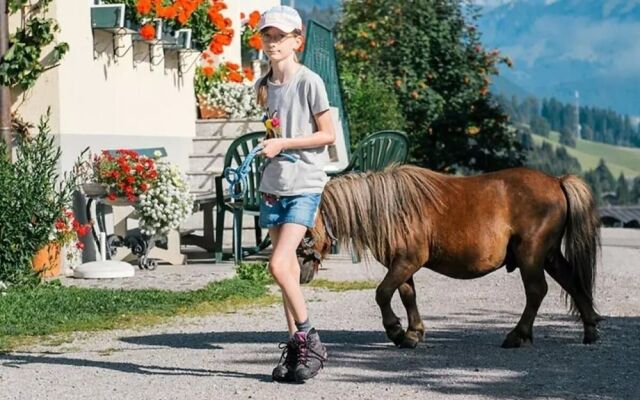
pixel 299 209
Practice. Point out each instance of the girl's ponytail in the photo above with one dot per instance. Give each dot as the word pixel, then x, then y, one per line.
pixel 262 89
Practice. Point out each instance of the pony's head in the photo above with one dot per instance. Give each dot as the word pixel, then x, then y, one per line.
pixel 314 248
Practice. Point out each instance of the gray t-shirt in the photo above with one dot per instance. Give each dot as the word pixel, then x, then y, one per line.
pixel 295 103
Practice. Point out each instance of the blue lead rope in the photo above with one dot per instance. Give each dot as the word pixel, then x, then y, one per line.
pixel 237 177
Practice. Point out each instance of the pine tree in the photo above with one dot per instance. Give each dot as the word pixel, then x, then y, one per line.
pixel 635 191
pixel 622 190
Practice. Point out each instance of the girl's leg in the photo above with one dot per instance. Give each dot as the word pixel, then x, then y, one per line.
pixel 286 271
pixel 291 324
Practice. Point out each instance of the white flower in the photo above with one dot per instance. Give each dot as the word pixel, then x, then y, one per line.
pixel 167 203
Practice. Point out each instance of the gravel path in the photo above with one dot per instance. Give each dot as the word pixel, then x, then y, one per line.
pixel 231 356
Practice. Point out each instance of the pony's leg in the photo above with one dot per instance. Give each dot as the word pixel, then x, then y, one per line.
pixel 415 330
pixel 535 287
pixel 396 276
pixel 560 270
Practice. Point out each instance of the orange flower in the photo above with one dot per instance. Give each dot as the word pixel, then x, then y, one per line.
pixel 143 6
pixel 255 41
pixel 183 17
pixel 254 18
pixel 208 70
pixel 169 12
pixel 216 18
pixel 219 5
pixel 235 77
pixel 248 73
pixel 232 66
pixel 216 48
pixel 148 32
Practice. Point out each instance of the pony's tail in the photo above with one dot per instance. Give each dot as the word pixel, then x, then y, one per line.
pixel 581 237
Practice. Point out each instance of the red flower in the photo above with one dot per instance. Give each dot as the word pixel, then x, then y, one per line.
pixel 216 48
pixel 235 77
pixel 148 32
pixel 208 70
pixel 255 41
pixel 232 66
pixel 112 196
pixel 248 73
pixel 144 7
pixel 60 225
pixel 80 245
pixel 254 18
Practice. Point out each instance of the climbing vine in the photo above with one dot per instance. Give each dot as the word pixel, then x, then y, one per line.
pixel 21 65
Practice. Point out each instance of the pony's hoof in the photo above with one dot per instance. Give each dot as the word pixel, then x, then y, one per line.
pixel 396 334
pixel 410 340
pixel 590 336
pixel 514 341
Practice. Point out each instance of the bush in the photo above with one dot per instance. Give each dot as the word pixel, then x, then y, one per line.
pixel 33 198
pixel 254 272
pixel 366 116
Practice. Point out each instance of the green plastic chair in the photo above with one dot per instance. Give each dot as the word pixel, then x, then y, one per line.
pixel 374 153
pixel 378 151
pixel 250 203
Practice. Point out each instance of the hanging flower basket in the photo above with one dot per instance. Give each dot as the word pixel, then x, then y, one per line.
pixel 208 111
pixel 119 201
pixel 47 260
pixel 94 189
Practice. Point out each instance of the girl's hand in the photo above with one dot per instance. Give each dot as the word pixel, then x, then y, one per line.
pixel 272 147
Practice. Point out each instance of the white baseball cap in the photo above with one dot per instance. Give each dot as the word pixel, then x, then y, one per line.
pixel 284 18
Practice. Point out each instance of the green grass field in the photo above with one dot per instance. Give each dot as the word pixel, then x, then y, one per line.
pixel 619 159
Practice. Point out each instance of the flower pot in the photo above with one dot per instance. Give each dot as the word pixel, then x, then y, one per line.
pixel 47 260
pixel 93 189
pixel 208 111
pixel 118 201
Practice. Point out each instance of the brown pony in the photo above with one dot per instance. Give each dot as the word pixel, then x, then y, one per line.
pixel 466 227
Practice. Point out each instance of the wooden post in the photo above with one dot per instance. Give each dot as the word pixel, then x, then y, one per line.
pixel 5 94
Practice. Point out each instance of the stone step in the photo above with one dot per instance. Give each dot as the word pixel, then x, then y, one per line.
pixel 211 145
pixel 224 128
pixel 212 163
pixel 200 182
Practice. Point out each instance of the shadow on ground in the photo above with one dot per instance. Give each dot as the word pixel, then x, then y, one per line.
pixel 464 359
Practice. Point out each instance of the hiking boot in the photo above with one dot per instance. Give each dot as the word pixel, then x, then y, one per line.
pixel 311 355
pixel 284 371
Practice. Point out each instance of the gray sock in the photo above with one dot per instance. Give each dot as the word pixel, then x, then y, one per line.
pixel 304 326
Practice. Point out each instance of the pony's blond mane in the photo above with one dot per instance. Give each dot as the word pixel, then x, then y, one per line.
pixel 374 210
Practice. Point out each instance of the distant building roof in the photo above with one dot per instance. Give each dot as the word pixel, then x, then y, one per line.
pixel 624 214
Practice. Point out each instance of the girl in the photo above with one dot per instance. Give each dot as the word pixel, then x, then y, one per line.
pixel 298 122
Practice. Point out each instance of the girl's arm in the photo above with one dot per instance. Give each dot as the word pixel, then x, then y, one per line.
pixel 325 135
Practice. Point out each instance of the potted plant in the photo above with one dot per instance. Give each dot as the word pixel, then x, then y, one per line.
pixel 167 203
pixel 34 198
pixel 120 177
pixel 65 234
pixel 225 91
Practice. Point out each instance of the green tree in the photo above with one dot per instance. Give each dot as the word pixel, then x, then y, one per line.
pixel 567 138
pixel 429 52
pixel 594 183
pixel 622 190
pixel 605 177
pixel 364 119
pixel 635 191
pixel 540 126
